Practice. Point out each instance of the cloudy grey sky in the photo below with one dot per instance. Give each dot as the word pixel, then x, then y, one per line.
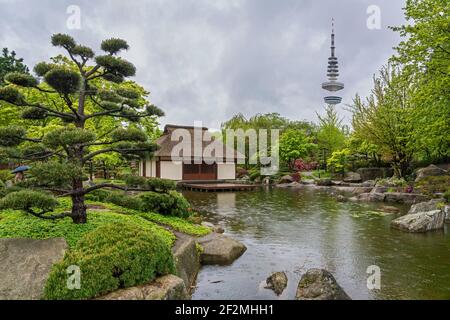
pixel 206 60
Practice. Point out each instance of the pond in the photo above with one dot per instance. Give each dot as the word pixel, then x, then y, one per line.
pixel 294 230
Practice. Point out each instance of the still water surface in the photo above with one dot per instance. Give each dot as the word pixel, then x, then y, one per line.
pixel 294 230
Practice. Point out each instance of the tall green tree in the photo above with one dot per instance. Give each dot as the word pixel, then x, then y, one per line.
pixel 60 155
pixel 424 57
pixel 9 63
pixel 383 119
pixel 331 134
pixel 295 144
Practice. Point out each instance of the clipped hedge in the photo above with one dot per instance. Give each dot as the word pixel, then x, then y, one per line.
pixel 171 204
pixel 151 184
pixel 124 200
pixel 114 256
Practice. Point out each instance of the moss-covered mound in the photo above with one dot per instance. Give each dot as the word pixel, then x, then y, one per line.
pixel 115 255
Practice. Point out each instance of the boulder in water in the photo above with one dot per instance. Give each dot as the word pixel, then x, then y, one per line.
pixel 277 282
pixel 319 284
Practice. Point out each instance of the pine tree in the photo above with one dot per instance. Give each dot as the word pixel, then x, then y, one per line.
pixel 93 89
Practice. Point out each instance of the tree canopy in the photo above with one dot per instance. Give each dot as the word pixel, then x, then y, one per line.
pixel 76 93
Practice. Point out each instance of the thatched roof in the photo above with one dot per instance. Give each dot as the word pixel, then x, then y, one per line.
pixel 198 137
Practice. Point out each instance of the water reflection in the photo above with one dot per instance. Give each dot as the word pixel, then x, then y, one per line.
pixel 294 230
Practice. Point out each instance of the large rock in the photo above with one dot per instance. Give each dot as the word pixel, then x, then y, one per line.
pixel 390 209
pixel 324 182
pixel 447 214
pixel 220 250
pixel 374 173
pixel 430 171
pixel 319 284
pixel 352 177
pixel 290 185
pixel 402 197
pixel 187 259
pixel 25 265
pixel 277 282
pixel 371 197
pixel 434 204
pixel 168 287
pixel 420 222
pixel 286 179
pixel 380 189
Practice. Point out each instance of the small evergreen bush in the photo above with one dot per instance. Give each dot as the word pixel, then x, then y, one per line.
pixel 171 203
pixel 116 255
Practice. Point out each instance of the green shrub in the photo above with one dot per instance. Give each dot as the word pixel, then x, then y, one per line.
pixel 135 181
pixel 150 184
pixel 172 204
pixel 447 196
pixel 124 200
pixel 5 175
pixel 114 256
pixel 98 195
pixel 27 200
pixel 162 185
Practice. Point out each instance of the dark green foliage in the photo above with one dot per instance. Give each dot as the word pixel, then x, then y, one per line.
pixel 161 185
pixel 98 195
pixel 114 45
pixel 134 104
pixel 5 175
pixel 63 80
pixel 129 134
pixel 35 152
pixel 42 68
pixel 130 114
pixel 171 204
pixel 116 255
pixel 116 78
pixel 128 93
pixel 11 136
pixel 21 79
pixel 84 52
pixel 55 174
pixel 33 113
pixel 109 96
pixel 26 200
pixel 116 66
pixel 151 184
pixel 153 110
pixel 63 40
pixel 68 137
pixel 9 63
pixel 11 95
pixel 107 105
pixel 135 181
pixel 124 200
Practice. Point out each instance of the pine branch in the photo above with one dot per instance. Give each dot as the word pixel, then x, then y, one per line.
pixel 53 217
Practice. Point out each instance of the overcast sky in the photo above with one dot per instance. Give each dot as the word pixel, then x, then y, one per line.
pixel 206 60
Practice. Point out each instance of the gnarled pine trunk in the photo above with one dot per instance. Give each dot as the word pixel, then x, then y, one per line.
pixel 79 215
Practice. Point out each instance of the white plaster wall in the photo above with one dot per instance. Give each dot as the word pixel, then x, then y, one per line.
pixel 226 171
pixel 172 170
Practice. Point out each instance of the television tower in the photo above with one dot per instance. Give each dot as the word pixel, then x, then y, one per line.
pixel 332 85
